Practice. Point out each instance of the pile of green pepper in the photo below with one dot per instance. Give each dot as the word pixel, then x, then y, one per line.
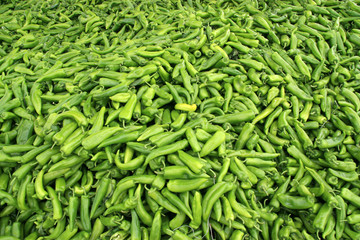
pixel 179 119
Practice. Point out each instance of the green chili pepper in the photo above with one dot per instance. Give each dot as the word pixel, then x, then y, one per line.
pixel 213 194
pixel 166 150
pixel 322 217
pixel 57 209
pixel 100 194
pixel 214 142
pixel 161 200
pixel 295 202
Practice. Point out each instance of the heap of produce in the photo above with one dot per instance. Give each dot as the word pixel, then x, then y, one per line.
pixel 169 119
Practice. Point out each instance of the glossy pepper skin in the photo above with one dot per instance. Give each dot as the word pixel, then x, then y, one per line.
pixel 133 120
pixel 296 202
